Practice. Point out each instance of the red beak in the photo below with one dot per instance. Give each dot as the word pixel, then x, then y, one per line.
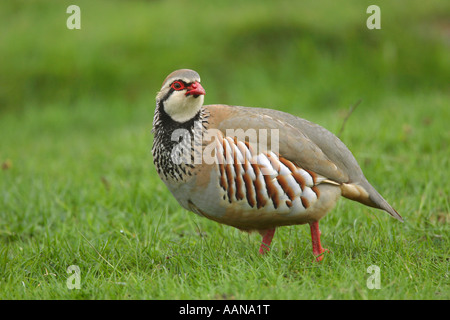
pixel 195 89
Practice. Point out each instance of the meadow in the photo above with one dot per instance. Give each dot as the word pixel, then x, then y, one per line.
pixel 77 182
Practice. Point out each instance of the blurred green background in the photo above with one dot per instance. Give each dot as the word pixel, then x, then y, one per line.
pixel 76 108
pixel 317 54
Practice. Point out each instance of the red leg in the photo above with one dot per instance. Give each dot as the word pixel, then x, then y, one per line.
pixel 267 239
pixel 315 237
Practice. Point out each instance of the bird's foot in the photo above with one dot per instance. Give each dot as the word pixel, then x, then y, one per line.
pixel 267 239
pixel 318 251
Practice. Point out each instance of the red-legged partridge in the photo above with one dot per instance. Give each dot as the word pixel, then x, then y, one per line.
pixel 251 168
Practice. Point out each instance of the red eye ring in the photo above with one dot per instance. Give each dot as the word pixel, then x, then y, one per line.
pixel 177 85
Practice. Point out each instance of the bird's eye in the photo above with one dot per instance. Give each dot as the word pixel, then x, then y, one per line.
pixel 177 85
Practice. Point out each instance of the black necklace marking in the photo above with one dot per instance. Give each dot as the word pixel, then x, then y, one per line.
pixel 164 145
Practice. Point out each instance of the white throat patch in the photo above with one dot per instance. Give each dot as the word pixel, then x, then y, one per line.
pixel 182 108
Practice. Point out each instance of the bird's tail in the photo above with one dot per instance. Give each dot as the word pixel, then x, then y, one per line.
pixel 367 195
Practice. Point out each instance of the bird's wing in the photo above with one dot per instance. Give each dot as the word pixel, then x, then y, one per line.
pixel 293 143
pixel 308 145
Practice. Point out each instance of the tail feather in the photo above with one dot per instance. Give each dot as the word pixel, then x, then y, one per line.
pixel 366 194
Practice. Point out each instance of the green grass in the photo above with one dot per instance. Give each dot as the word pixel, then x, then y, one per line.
pixel 78 187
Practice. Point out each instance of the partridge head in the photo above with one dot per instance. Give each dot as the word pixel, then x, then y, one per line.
pixel 181 95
